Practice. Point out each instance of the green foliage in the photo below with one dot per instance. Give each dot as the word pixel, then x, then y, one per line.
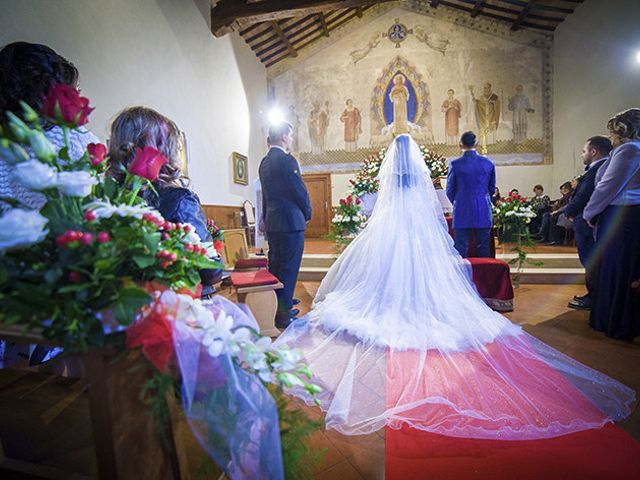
pixel 296 427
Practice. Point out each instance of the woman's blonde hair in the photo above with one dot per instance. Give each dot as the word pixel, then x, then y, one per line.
pixel 139 127
pixel 626 124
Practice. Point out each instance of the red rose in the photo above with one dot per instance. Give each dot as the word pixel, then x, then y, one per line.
pixel 97 152
pixel 218 245
pixel 64 104
pixel 154 334
pixel 342 201
pixel 147 163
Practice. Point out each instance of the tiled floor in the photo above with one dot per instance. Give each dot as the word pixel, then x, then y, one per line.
pixel 542 311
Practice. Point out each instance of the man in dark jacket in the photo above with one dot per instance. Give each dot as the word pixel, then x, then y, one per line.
pixel 594 153
pixel 286 211
pixel 470 183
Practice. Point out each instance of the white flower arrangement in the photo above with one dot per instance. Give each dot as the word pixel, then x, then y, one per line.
pixel 104 209
pixel 220 335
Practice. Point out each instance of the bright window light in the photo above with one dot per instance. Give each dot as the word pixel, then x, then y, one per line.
pixel 638 56
pixel 275 116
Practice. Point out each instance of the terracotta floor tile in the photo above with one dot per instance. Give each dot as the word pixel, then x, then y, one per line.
pixel 342 471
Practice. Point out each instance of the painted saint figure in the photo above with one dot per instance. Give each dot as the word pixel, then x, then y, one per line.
pixel 487 110
pixel 451 108
pixel 352 126
pixel 399 96
pixel 317 123
pixel 520 106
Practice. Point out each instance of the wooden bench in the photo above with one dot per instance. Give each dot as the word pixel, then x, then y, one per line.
pixel 256 289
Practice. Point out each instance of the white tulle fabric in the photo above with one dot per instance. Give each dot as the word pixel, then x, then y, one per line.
pixel 398 334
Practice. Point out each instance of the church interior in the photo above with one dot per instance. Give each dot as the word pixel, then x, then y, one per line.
pixel 534 80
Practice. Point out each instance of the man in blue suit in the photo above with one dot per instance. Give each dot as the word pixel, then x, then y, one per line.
pixel 470 183
pixel 286 210
pixel 594 154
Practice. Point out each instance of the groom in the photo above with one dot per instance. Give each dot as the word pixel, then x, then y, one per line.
pixel 286 210
pixel 470 183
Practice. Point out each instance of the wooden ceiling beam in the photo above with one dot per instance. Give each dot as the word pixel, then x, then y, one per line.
pixel 323 24
pixel 484 13
pixel 525 11
pixel 512 11
pixel 284 39
pixel 476 8
pixel 228 15
pixel 540 6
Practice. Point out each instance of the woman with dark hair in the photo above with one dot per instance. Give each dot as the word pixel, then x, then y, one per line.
pixel 27 72
pixel 614 209
pixel 139 127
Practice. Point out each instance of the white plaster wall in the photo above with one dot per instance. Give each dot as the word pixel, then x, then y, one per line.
pixel 596 75
pixel 159 53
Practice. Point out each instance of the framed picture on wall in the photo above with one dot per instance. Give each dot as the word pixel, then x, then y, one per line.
pixel 240 168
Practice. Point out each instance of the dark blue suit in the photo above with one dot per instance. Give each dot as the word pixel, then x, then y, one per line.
pixel 286 210
pixel 470 183
pixel 583 232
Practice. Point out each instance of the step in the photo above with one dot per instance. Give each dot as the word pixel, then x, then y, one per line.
pixel 548 260
pixel 538 275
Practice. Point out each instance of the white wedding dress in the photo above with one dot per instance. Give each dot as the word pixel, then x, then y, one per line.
pixel 398 334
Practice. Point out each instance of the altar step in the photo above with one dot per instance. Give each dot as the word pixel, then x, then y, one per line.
pixel 555 268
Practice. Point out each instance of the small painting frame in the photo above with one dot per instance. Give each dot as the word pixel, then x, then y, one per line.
pixel 240 167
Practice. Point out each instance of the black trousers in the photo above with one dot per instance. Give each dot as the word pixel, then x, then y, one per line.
pixel 285 256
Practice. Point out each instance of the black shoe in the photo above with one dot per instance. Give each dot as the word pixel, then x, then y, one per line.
pixel 293 312
pixel 295 301
pixel 584 304
pixel 284 322
pixel 581 297
pixel 551 244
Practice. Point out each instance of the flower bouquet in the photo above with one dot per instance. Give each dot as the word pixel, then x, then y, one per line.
pixel 97 259
pixel 79 264
pixel 511 217
pixel 347 221
pixel 437 163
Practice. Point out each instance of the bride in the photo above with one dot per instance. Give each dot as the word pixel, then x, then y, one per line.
pixel 398 334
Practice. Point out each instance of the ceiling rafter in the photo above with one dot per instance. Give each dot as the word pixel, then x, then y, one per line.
pixel 228 15
pixel 477 7
pixel 525 11
pixel 278 29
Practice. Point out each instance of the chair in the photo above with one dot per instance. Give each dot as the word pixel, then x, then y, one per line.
pixel 249 221
pixel 235 254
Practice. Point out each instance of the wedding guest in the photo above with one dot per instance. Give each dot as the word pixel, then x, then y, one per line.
pixel 594 153
pixel 614 210
pixel 495 198
pixel 27 72
pixel 540 204
pixel 139 127
pixel 470 183
pixel 286 211
pixel 550 231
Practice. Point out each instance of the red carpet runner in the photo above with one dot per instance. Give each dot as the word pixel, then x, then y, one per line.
pixel 606 453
